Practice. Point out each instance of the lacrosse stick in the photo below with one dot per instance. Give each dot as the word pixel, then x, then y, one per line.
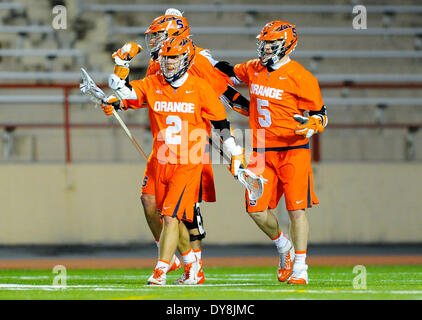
pixel 252 183
pixel 98 96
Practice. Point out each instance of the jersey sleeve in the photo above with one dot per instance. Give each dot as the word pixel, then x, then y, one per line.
pixel 140 88
pixel 309 93
pixel 212 108
pixel 241 72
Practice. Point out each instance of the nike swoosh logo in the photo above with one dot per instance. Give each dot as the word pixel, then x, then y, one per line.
pixel 299 201
pixel 165 208
pixel 190 91
pixel 281 78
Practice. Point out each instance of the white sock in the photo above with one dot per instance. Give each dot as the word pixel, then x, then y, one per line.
pixel 163 265
pixel 189 257
pixel 157 243
pixel 300 257
pixel 198 253
pixel 280 241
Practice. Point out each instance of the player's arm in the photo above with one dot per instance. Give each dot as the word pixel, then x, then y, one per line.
pixel 233 97
pixel 229 144
pixel 214 111
pixel 123 57
pixel 126 95
pixel 316 122
pixel 119 81
pixel 309 98
pixel 236 101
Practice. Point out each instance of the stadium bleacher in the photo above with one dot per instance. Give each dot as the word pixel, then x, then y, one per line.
pixel 368 77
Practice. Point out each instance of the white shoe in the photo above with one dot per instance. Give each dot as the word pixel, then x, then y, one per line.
pixel 191 275
pixel 300 274
pixel 201 277
pixel 158 277
pixel 287 256
pixel 174 264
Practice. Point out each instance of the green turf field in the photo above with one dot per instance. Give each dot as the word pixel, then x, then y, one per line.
pixel 246 283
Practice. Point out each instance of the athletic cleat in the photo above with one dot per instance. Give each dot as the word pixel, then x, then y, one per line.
pixel 201 276
pixel 174 264
pixel 286 262
pixel 300 274
pixel 192 274
pixel 158 278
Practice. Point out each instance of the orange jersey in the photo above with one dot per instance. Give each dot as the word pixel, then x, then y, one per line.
pixel 178 116
pixel 275 97
pixel 202 68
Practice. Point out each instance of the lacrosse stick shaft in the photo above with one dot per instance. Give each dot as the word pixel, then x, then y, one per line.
pixel 129 134
pixel 220 150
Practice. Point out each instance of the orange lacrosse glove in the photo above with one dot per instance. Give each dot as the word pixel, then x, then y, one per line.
pixel 309 125
pixel 110 105
pixel 125 54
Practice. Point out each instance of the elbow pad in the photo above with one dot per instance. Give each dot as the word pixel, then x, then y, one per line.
pixel 119 87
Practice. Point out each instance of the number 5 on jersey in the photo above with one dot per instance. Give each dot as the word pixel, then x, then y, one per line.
pixel 265 120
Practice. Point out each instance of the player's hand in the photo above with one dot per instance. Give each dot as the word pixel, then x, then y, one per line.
pixel 308 125
pixel 125 54
pixel 240 109
pixel 110 105
pixel 237 160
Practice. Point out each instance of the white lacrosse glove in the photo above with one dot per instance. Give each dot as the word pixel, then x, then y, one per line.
pixel 237 155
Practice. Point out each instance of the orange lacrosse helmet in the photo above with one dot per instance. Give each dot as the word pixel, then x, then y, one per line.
pixel 276 40
pixel 176 56
pixel 163 27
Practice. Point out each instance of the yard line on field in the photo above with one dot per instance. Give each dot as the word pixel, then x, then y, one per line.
pixel 109 287
pixel 328 291
pixel 47 287
pixel 27 277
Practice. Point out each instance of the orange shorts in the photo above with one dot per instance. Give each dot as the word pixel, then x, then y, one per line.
pixel 207 187
pixel 176 189
pixel 287 172
pixel 148 183
pixel 206 191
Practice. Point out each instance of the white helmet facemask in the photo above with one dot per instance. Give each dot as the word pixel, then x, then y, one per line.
pixel 174 67
pixel 272 56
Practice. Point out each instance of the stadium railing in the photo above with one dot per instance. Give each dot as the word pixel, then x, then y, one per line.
pixel 323 31
pixel 26 29
pixel 259 8
pixel 11 6
pixel 332 80
pixel 66 99
pixel 332 54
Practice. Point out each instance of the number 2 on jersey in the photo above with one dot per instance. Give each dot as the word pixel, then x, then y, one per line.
pixel 172 136
pixel 265 120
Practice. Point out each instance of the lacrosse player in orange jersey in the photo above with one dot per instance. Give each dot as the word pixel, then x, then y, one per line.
pixel 179 105
pixel 169 25
pixel 280 91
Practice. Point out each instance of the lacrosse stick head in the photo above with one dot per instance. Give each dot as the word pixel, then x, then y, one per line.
pixel 252 183
pixel 89 88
